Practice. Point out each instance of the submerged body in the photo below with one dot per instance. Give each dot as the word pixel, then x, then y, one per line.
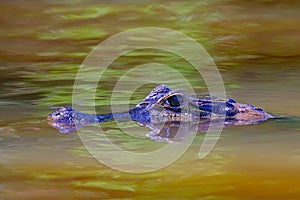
pixel 164 105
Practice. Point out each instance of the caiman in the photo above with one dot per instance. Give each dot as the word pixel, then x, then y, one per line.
pixel 164 105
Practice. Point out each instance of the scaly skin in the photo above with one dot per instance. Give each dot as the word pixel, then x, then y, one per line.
pixel 164 105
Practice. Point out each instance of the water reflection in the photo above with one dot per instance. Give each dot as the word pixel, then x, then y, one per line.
pixel 177 132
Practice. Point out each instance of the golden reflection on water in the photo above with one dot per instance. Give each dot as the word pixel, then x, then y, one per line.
pixel 255 45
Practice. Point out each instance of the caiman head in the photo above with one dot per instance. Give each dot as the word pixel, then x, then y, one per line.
pixel 163 105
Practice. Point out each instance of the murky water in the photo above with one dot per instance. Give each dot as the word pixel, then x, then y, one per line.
pixel 255 45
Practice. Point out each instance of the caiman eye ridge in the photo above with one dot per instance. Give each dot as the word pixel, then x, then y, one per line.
pixel 165 105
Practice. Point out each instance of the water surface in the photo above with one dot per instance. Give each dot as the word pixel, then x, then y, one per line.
pixel 255 45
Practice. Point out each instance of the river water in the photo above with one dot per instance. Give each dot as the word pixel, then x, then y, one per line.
pixel 255 45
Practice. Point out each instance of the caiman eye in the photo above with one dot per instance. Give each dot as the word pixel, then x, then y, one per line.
pixel 174 101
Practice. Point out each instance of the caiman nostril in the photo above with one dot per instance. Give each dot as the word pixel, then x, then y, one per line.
pixel 49 118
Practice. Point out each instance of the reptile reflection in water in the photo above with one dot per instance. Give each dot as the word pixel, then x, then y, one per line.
pixel 169 107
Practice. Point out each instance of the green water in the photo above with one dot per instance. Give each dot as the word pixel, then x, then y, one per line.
pixel 255 45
